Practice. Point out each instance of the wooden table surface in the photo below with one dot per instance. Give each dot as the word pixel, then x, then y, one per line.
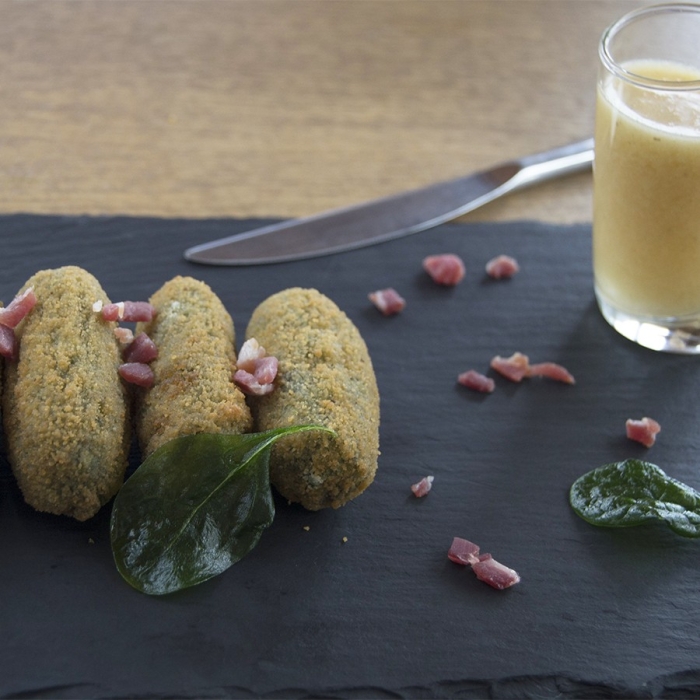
pixel 216 108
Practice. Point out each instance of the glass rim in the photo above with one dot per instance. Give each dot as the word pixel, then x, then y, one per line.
pixel 616 69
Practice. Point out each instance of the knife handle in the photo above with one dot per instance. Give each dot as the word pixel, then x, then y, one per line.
pixel 569 159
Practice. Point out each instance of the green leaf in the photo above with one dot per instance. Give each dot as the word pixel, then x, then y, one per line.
pixel 633 492
pixel 195 506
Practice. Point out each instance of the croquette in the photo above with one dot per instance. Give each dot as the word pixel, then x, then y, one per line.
pixel 193 391
pixel 325 377
pixel 65 410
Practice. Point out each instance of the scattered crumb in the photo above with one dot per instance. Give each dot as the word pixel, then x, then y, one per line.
pixel 90 540
pixel 306 527
pixel 344 540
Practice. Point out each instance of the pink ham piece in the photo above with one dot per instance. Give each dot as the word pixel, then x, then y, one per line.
pixel 251 351
pixel 256 371
pixel 463 552
pixel 18 308
pixel 551 370
pixel 644 430
pixel 8 343
pixel 248 384
pixel 123 335
pixel 141 349
pixel 446 269
pixel 423 487
pixel 137 373
pixel 502 267
pixel 476 381
pixel 515 367
pixel 266 370
pixel 126 311
pixel 388 301
pixel 488 570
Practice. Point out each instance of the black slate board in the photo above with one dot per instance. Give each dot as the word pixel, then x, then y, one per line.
pixel 599 613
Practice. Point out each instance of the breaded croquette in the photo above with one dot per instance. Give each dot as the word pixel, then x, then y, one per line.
pixel 193 391
pixel 64 407
pixel 325 377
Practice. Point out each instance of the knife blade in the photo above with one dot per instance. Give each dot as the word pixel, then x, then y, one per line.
pixel 390 217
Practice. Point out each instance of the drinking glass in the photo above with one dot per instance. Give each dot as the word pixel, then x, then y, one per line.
pixel 646 173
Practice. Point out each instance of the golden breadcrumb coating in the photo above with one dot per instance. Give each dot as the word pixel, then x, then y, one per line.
pixel 326 377
pixel 64 407
pixel 193 390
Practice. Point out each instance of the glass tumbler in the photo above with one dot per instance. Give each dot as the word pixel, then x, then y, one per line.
pixel 646 173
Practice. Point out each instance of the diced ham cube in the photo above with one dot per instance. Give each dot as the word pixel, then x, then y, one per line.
pixel 488 570
pixel 8 343
pixel 137 373
pixel 250 351
pixel 463 552
pixel 18 308
pixel 256 371
pixel 128 311
pixel 515 367
pixel 265 369
pixel 485 567
pixel 644 430
pixel 423 487
pixel 502 267
pixel 446 269
pixel 110 312
pixel 476 381
pixel 551 370
pixel 388 301
pixel 141 349
pixel 248 384
pixel 123 335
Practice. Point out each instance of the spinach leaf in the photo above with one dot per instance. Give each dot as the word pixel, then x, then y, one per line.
pixel 633 492
pixel 194 507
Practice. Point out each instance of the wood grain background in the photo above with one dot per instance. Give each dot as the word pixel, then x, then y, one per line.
pixel 245 108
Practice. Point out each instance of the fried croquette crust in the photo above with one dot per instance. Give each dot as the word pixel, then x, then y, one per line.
pixel 193 390
pixel 325 376
pixel 65 409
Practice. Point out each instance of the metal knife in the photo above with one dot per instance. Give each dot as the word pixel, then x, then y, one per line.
pixel 390 217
